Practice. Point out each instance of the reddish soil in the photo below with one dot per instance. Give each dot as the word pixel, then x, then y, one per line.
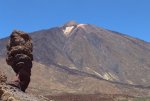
pixel 88 97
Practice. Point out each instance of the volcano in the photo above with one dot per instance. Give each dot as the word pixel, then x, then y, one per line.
pixel 84 58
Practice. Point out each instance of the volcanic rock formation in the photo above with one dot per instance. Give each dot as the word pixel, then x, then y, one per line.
pixel 19 57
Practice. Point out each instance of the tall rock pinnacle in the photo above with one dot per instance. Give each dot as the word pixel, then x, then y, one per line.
pixel 19 57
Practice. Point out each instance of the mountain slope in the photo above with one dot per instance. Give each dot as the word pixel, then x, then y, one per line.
pixel 95 51
pixel 85 58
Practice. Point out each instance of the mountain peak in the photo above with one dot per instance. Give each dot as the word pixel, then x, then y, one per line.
pixel 69 27
pixel 70 23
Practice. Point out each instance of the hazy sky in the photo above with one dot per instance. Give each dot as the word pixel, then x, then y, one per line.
pixel 130 17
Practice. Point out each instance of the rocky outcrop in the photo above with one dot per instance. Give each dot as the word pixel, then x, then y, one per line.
pixel 19 57
pixel 10 93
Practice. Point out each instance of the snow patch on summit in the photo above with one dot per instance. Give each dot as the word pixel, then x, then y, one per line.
pixel 68 30
pixel 81 25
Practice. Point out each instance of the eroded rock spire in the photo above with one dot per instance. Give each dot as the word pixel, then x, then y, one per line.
pixel 19 57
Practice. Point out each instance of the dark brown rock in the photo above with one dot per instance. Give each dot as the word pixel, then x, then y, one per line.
pixel 19 57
